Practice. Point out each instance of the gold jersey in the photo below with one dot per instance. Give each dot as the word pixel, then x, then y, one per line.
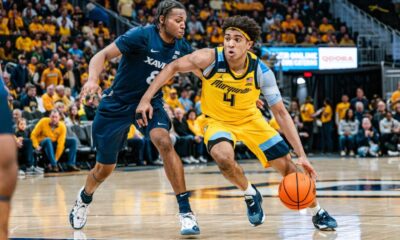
pixel 227 97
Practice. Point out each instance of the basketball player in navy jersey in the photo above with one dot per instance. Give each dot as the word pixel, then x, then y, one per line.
pixel 145 51
pixel 8 160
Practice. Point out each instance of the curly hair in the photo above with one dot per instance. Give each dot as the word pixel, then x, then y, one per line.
pixel 244 23
pixel 165 7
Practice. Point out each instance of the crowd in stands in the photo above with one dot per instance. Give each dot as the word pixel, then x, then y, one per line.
pixel 283 22
pixel 46 46
pixel 363 127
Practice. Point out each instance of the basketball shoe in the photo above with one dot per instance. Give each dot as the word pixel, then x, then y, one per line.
pixel 323 221
pixel 189 224
pixel 78 214
pixel 255 212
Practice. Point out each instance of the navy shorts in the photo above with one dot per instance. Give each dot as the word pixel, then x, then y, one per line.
pixel 111 126
pixel 5 114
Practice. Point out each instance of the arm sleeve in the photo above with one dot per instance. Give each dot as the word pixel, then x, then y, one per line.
pixel 132 41
pixel 267 82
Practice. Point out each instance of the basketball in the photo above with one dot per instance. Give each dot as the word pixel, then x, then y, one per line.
pixel 297 191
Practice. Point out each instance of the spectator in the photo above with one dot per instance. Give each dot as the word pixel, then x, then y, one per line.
pixel 195 125
pixel 326 119
pixel 359 98
pixel 173 100
pixel 326 26
pixel 49 135
pixel 60 107
pixel 25 149
pixel 3 26
pixel 24 42
pixel 28 9
pixel 341 109
pixel 64 28
pixel 75 51
pixel 379 114
pixel 51 76
pixel 32 66
pixel 28 101
pixel 185 101
pixel 61 97
pixel 64 16
pixel 17 115
pixel 367 140
pixel 52 5
pixel 303 134
pixel 346 41
pixel 395 98
pixel 48 99
pixel 102 31
pixel 125 8
pixel 348 129
pixel 35 26
pixel 49 27
pixel 195 25
pixel 294 109
pixel 6 51
pixel 73 117
pixel 181 128
pixel 20 75
pixel 307 116
pixel 359 113
pixel 390 134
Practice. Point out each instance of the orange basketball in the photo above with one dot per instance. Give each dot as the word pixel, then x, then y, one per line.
pixel 297 191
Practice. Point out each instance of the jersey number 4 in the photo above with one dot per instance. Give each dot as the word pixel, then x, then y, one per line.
pixel 231 99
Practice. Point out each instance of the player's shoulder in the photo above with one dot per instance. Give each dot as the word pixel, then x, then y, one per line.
pixel 184 46
pixel 140 31
pixel 261 66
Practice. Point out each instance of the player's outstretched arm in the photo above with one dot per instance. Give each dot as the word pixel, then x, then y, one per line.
pixel 96 66
pixel 289 130
pixel 193 62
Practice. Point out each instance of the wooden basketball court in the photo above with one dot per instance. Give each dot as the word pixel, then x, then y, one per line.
pixel 138 203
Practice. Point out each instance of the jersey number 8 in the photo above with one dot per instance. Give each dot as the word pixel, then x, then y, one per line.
pixel 153 75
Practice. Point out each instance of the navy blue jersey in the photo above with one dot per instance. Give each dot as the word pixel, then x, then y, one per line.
pixel 5 114
pixel 144 55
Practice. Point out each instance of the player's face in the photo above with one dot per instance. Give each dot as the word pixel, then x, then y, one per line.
pixel 175 23
pixel 235 45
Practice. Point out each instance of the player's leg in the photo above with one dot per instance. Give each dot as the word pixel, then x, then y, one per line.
pixel 8 179
pixel 159 134
pixel 8 161
pixel 220 141
pixel 272 150
pixel 109 130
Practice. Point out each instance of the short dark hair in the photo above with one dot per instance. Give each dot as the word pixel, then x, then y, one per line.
pixel 165 7
pixel 244 23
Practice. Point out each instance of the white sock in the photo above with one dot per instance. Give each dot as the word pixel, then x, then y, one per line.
pixel 315 209
pixel 250 190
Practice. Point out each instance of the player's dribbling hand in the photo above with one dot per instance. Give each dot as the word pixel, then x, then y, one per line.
pixel 303 162
pixel 142 109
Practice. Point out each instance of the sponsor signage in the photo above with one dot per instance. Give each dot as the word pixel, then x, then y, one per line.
pixel 323 58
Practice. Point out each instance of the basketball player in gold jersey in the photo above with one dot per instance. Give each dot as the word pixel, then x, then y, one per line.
pixel 233 79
